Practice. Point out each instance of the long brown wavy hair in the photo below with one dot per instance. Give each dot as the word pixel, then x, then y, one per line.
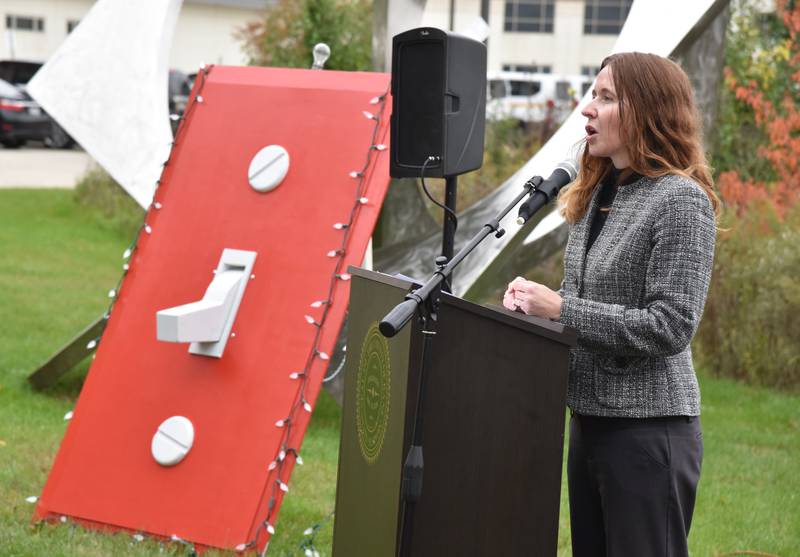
pixel 659 124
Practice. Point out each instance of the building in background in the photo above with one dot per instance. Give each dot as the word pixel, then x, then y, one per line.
pixel 563 37
pixel 34 29
pixel 546 36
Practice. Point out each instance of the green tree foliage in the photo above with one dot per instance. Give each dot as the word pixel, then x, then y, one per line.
pixel 286 34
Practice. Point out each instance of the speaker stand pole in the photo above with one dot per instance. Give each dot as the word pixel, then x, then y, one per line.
pixel 449 225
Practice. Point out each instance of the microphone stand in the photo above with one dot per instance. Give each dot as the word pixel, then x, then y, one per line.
pixel 425 299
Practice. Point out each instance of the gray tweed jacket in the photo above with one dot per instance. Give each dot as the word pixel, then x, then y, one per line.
pixel 636 299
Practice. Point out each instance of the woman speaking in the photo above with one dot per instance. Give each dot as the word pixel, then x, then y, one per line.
pixel 636 272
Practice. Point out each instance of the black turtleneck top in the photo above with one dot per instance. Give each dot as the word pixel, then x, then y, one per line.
pixel 608 190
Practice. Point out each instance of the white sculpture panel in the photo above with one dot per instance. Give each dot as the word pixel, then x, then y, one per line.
pixel 107 86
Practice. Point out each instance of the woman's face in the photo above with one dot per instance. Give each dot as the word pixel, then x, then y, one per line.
pixel 603 126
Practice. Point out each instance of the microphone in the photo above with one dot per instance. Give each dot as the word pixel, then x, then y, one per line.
pixel 546 190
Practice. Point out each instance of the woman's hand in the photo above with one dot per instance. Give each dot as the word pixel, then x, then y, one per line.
pixel 532 298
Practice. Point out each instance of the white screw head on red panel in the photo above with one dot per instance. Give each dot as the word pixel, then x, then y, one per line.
pixel 268 168
pixel 172 441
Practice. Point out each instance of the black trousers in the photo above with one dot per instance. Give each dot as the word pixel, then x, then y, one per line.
pixel 632 485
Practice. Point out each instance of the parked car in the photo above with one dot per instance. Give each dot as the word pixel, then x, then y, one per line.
pixel 21 118
pixel 533 97
pixel 18 73
pixel 179 87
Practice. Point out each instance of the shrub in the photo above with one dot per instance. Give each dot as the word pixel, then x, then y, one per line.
pixel 98 190
pixel 750 329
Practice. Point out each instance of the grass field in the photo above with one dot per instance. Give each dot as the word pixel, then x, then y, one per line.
pixel 58 261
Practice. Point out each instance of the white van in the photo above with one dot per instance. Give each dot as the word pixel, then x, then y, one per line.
pixel 533 97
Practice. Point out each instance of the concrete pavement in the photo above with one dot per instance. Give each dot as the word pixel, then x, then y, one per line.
pixel 35 166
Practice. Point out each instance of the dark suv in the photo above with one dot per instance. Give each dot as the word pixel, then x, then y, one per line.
pixel 18 72
pixel 21 118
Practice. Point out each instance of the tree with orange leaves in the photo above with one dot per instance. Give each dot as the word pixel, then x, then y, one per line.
pixel 750 329
pixel 767 84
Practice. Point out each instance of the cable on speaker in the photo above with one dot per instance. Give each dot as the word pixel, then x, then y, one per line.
pixel 425 189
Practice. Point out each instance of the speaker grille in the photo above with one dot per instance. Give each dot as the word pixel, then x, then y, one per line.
pixel 420 69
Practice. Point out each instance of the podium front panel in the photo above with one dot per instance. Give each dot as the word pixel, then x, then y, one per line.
pixel 493 435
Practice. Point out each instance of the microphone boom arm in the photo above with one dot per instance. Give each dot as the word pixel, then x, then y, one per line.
pixel 402 313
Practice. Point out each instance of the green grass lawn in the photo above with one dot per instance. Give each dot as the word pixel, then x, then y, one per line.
pixel 57 262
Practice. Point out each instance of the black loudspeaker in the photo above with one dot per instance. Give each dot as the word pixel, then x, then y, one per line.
pixel 439 103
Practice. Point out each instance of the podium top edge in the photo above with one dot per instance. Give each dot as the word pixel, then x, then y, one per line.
pixel 552 330
pixel 383 278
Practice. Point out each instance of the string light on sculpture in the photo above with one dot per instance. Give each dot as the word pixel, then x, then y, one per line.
pixel 310 535
pixel 311 321
pixel 339 369
pixel 297 458
pixel 146 227
pixel 369 115
pixel 178 539
pixel 276 467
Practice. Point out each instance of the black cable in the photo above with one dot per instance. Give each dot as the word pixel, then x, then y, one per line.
pixel 425 189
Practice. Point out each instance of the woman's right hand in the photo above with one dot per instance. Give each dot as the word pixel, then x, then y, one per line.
pixel 508 298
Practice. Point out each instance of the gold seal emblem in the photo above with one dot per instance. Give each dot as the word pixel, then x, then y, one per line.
pixel 372 393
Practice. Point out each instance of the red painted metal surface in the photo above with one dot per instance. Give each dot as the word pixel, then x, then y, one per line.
pixel 104 473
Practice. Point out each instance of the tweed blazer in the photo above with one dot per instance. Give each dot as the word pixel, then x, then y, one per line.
pixel 636 298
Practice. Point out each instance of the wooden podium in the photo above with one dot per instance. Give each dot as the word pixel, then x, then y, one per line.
pixel 493 429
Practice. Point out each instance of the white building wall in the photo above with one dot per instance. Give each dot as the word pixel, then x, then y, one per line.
pixel 204 33
pixel 566 50
pixel 437 13
pixel 36 45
